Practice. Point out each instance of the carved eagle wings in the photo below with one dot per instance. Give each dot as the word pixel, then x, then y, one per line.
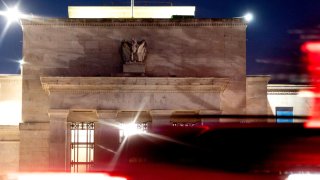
pixel 134 51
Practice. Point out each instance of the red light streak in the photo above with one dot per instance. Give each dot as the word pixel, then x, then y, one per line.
pixel 63 176
pixel 312 53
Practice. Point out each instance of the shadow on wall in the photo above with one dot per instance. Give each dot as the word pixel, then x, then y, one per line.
pixel 96 61
pixel 175 52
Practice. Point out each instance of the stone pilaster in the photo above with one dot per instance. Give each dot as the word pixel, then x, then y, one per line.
pixel 106 138
pixel 58 141
pixel 161 117
pixel 34 146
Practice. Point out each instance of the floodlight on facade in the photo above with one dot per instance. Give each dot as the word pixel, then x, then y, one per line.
pixel 12 14
pixel 130 129
pixel 21 62
pixel 248 17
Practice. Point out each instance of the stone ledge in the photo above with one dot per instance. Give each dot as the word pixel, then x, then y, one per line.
pixel 285 89
pixel 132 84
pixel 135 22
pixel 34 126
pixel 16 79
pixel 9 133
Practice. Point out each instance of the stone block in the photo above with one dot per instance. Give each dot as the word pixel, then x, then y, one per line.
pixel 134 68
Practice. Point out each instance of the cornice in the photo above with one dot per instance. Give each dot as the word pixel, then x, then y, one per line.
pixel 10 79
pixel 98 85
pixel 283 93
pixel 260 78
pixel 134 22
pixel 58 113
pixel 34 126
pixel 287 89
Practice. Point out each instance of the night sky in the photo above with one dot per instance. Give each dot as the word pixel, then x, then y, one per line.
pixel 273 38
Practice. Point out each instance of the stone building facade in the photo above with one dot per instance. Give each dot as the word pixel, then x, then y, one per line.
pixel 75 77
pixel 195 66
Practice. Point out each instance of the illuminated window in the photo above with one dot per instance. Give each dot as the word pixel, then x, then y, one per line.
pixel 284 114
pixel 82 146
pixel 132 129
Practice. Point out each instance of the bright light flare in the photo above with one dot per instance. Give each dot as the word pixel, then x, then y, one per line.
pixel 248 17
pixel 21 62
pixel 303 177
pixel 130 129
pixel 12 14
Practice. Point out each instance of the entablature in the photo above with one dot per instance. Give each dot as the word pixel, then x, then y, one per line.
pixel 132 84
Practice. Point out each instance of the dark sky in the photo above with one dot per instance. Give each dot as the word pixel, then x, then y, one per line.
pixel 272 39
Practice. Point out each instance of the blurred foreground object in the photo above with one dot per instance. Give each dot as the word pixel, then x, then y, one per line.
pixel 312 56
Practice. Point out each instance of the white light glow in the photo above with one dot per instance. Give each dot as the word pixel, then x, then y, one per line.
pixel 130 129
pixel 12 14
pixel 248 17
pixel 21 62
pixel 10 112
pixel 307 94
pixel 164 12
pixel 303 177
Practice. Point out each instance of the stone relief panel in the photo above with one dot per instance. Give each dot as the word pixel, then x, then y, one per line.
pixel 133 51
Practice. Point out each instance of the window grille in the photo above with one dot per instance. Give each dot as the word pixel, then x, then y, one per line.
pixel 82 146
pixel 140 127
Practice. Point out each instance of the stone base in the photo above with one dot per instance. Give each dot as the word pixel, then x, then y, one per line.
pixel 134 68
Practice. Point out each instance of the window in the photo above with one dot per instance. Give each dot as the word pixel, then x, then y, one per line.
pixel 287 112
pixel 132 129
pixel 82 146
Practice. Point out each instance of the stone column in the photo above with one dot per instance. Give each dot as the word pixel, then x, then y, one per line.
pixel 58 141
pixel 107 140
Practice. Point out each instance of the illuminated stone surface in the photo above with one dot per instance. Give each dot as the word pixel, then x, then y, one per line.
pixel 193 65
pixel 126 11
pixel 257 102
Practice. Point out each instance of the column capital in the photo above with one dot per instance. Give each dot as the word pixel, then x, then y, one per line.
pixel 58 113
pixel 165 113
pixel 107 114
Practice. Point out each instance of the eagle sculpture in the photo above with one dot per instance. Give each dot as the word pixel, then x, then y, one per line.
pixel 133 51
